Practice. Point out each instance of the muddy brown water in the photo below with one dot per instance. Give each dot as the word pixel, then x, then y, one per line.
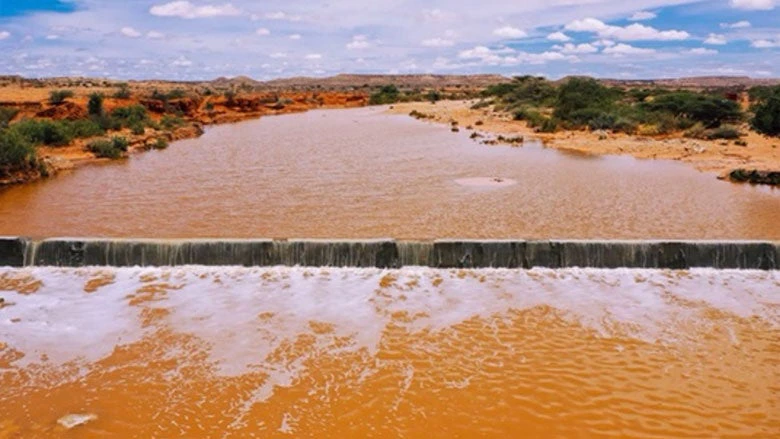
pixel 362 174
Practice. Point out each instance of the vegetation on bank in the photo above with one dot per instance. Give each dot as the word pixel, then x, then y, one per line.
pixel 391 94
pixel 581 103
pixel 766 110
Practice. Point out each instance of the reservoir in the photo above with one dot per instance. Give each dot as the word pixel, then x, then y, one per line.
pixel 361 173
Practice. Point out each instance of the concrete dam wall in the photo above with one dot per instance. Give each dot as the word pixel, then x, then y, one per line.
pixel 387 253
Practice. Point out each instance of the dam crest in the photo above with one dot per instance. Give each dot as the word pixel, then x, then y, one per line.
pixel 389 253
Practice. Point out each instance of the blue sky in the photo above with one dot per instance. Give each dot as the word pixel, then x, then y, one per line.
pixel 205 39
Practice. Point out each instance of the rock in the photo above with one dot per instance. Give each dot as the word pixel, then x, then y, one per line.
pixel 75 419
pixel 601 134
pixel 755 176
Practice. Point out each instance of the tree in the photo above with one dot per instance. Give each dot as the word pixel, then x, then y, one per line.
pixel 57 97
pixel 95 104
pixel 767 115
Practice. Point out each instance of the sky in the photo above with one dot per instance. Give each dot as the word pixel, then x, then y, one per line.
pixel 206 39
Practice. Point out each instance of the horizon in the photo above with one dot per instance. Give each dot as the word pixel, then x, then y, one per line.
pixel 204 40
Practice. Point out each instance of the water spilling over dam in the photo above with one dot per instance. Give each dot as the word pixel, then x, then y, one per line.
pixel 388 253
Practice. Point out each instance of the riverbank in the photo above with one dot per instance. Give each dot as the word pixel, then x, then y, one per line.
pixel 190 109
pixel 717 156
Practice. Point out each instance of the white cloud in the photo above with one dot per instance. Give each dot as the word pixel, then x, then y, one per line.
pixel 263 31
pixel 715 40
pixel 130 32
pixel 701 51
pixel 509 57
pixel 642 16
pixel 570 48
pixel 279 15
pixel 185 9
pixel 295 36
pixel 737 25
pixel 752 5
pixel 437 42
pixel 625 49
pixel 633 32
pixel 358 42
pixel 4 34
pixel 181 62
pixel 558 36
pixel 52 37
pixel 509 32
pixel 314 56
pixel 765 44
pixel 154 35
pixel 604 43
pixel 277 55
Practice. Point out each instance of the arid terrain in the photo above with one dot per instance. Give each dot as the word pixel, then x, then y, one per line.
pixel 177 110
pixel 717 156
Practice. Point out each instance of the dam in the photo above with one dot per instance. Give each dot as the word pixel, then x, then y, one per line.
pixel 388 253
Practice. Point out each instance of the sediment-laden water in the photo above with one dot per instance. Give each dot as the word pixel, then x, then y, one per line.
pixel 364 174
pixel 365 352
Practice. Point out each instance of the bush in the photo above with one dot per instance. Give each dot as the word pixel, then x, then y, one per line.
pixel 16 152
pixel 176 93
pixel 137 128
pixel 767 115
pixel 533 117
pixel 44 131
pixel 433 96
pixel 123 92
pixel 170 122
pixel 95 104
pixel 86 128
pixel 6 115
pixel 709 110
pixel 583 99
pixel 482 104
pixel 57 97
pixel 107 123
pixel 160 143
pixel 130 115
pixel 209 106
pixel 727 132
pixel 550 125
pixel 389 94
pixel 602 121
pixel 111 149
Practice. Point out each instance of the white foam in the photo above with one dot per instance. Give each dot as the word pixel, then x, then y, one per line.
pixel 245 314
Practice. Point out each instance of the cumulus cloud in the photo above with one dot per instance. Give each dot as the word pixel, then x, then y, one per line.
pixel 313 56
pixel 4 34
pixel 358 42
pixel 130 32
pixel 263 31
pixel 576 48
pixel 277 55
pixel 633 32
pixel 295 37
pixel 753 5
pixel 736 25
pixel 509 32
pixel 506 56
pixel 642 16
pixel 701 51
pixel 185 9
pixel 154 35
pixel 279 15
pixel 181 62
pixel 715 40
pixel 765 44
pixel 558 36
pixel 437 42
pixel 626 49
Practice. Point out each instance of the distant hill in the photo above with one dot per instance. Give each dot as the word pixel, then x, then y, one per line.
pixel 343 81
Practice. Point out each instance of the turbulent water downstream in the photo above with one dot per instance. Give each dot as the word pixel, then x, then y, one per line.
pixel 417 352
pixel 365 174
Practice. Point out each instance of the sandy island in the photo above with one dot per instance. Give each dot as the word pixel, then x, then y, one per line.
pixel 716 156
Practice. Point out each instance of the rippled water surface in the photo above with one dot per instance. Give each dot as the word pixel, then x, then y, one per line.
pixel 417 352
pixel 364 174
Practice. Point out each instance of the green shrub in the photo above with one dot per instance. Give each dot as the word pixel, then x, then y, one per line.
pixel 160 143
pixel 766 119
pixel 44 131
pixel 86 128
pixel 170 122
pixel 209 106
pixel 16 152
pixel 727 132
pixel 602 121
pixel 482 104
pixel 111 149
pixel 95 104
pixel 550 125
pixel 106 122
pixel 6 115
pixel 137 128
pixel 388 94
pixel 709 110
pixel 57 97
pixel 583 99
pixel 130 115
pixel 433 96
pixel 698 131
pixel 176 93
pixel 123 91
pixel 624 125
pixel 532 117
